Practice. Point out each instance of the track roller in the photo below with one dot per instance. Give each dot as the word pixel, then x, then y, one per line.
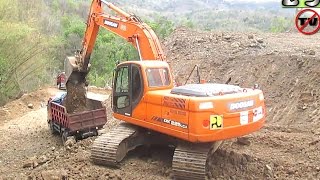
pixel 110 148
pixel 189 160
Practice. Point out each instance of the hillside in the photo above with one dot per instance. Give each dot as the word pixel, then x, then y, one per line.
pixel 251 43
pixel 36 40
pixel 213 14
pixel 286 69
pixel 189 5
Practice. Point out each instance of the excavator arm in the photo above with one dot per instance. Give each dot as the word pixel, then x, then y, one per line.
pixel 127 26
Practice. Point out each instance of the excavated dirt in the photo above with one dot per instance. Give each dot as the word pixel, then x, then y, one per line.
pixel 287 68
pixel 75 100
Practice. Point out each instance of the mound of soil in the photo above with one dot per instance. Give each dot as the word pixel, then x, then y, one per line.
pixel 285 68
pixel 76 100
pixel 19 107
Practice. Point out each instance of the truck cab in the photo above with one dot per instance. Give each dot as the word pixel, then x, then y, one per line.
pixel 61 80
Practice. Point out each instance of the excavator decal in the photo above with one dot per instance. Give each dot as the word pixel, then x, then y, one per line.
pixel 216 122
pixel 177 112
pixel 174 102
pixel 111 24
pixel 257 114
pixel 170 122
pixel 241 105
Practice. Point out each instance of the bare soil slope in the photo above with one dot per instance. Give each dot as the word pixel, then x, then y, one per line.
pixel 19 107
pixel 287 68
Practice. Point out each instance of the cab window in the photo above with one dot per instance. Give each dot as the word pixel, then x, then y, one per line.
pixel 122 88
pixel 158 77
pixel 122 84
pixel 136 83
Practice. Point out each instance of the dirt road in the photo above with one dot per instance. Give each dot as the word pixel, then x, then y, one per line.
pixel 287 68
pixel 29 150
pixel 26 141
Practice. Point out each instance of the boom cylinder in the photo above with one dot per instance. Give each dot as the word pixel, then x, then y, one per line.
pixel 116 9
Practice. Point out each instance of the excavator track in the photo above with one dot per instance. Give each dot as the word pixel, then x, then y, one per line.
pixel 110 148
pixel 189 160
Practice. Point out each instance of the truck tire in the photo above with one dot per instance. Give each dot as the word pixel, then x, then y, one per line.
pixel 100 132
pixel 71 140
pixel 67 140
pixel 64 137
pixel 52 130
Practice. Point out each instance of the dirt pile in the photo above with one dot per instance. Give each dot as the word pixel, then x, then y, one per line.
pixel 211 51
pixel 286 69
pixel 19 107
pixel 75 100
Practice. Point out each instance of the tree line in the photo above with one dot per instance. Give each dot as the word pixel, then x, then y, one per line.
pixel 37 35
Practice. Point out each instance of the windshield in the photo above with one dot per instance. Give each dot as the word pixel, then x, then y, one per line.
pixel 158 77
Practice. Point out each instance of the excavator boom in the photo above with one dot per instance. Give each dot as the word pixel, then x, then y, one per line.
pixel 125 25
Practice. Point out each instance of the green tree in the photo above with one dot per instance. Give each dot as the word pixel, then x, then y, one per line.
pixel 280 24
pixel 162 26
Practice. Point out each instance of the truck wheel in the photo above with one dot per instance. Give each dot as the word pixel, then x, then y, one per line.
pixel 67 140
pixel 51 126
pixel 71 140
pixel 100 132
pixel 64 137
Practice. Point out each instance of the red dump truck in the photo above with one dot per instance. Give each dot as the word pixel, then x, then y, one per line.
pixel 61 80
pixel 77 125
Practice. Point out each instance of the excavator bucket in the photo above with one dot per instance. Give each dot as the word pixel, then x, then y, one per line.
pixel 73 74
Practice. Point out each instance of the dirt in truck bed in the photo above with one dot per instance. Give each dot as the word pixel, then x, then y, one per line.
pixel 75 100
pixel 288 147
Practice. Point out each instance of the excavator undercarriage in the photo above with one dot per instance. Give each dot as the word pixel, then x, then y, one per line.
pixel 189 159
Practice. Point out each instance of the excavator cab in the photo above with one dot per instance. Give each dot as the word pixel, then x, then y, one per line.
pixel 133 78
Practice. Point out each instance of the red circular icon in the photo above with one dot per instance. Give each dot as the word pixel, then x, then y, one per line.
pixel 302 28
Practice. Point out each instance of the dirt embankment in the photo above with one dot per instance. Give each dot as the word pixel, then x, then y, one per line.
pixel 19 107
pixel 287 68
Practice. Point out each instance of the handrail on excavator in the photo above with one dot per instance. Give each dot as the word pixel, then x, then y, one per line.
pixel 116 9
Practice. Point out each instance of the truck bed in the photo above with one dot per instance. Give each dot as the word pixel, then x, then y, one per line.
pixel 80 124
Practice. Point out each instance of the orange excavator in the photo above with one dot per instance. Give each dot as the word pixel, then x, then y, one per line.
pixel 193 118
